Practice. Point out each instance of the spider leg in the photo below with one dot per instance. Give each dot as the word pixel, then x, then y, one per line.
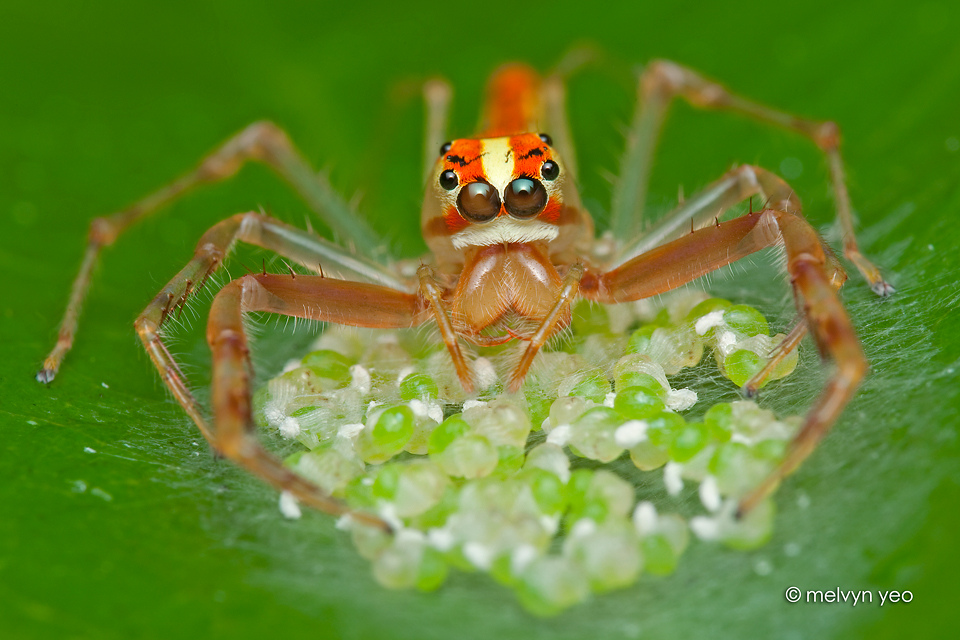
pixel 812 276
pixel 558 315
pixel 437 96
pixel 261 141
pixel 209 255
pixel 433 294
pixel 660 82
pixel 210 252
pixel 313 251
pixel 312 297
pixel 781 351
pixel 553 94
pixel 704 207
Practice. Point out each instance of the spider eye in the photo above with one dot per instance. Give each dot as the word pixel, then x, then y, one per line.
pixel 550 170
pixel 445 147
pixel 479 202
pixel 449 180
pixel 546 138
pixel 525 198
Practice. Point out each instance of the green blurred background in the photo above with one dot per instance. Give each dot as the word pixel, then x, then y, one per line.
pixel 151 537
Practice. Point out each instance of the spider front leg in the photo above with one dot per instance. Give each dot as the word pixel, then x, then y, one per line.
pixel 659 84
pixel 704 208
pixel 311 297
pixel 432 292
pixel 558 316
pixel 211 250
pixel 811 273
pixel 261 141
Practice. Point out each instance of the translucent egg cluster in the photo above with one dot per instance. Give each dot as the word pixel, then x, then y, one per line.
pixel 520 486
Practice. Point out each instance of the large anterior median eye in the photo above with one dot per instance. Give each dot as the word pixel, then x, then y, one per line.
pixel 525 198
pixel 478 202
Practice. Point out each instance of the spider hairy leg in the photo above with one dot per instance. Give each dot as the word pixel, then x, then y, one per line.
pixel 813 277
pixel 558 316
pixel 701 210
pixel 790 342
pixel 836 338
pixel 315 297
pixel 433 294
pixel 211 250
pixel 311 297
pixel 704 207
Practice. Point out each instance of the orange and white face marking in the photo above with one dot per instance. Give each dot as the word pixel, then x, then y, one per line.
pixel 507 190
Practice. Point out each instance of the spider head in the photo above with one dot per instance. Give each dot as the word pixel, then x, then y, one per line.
pixel 510 189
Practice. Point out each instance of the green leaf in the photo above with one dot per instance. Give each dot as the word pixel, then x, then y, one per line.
pixel 151 536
